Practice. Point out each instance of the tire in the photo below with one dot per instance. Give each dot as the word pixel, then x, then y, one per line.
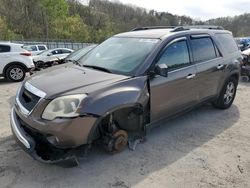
pixel 15 73
pixel 227 94
pixel 39 64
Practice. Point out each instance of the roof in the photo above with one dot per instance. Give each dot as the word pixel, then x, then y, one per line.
pixel 10 44
pixel 161 32
pixel 154 33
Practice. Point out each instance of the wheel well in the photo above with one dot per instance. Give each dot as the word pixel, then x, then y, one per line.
pixel 130 119
pixel 236 76
pixel 11 64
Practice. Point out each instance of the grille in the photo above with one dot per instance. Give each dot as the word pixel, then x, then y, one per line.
pixel 28 99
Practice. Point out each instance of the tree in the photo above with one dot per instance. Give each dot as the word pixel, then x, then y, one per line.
pixel 5 32
pixel 52 10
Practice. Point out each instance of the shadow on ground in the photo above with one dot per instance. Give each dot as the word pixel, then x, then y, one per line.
pixel 165 145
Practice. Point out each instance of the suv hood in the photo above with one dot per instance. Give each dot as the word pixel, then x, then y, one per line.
pixel 72 79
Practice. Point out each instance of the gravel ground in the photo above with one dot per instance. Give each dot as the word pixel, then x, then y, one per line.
pixel 203 148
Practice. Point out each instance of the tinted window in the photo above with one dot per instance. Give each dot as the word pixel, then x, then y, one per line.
pixel 176 55
pixel 41 48
pixel 65 51
pixel 203 49
pixel 56 52
pixel 4 48
pixel 226 40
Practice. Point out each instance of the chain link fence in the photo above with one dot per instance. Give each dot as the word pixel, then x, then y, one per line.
pixel 51 44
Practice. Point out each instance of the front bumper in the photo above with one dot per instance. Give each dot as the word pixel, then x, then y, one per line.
pixel 37 146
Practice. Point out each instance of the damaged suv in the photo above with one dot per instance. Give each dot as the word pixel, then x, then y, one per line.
pixel 122 88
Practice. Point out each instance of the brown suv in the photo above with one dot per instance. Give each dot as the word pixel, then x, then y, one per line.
pixel 123 87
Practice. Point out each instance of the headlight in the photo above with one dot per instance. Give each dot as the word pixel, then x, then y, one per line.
pixel 65 106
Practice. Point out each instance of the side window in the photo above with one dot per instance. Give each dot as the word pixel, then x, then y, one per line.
pixel 226 40
pixel 55 52
pixel 66 51
pixel 176 55
pixel 41 48
pixel 203 49
pixel 4 48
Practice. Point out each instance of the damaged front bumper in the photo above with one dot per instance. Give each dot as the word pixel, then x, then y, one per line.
pixel 37 146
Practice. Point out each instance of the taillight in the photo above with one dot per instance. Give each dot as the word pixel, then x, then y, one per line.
pixel 26 53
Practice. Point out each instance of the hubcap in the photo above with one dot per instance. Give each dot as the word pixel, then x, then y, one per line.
pixel 16 73
pixel 229 93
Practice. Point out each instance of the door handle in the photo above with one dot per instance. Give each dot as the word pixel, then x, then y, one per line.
pixel 220 66
pixel 191 76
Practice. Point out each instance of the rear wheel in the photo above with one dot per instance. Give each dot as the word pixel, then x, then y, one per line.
pixel 15 73
pixel 227 94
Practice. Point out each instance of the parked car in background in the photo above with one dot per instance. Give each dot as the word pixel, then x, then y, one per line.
pixel 245 67
pixel 48 57
pixel 14 61
pixel 78 54
pixel 243 43
pixel 122 88
pixel 35 49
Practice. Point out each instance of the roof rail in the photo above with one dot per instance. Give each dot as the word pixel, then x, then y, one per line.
pixel 183 28
pixel 153 27
pixel 179 28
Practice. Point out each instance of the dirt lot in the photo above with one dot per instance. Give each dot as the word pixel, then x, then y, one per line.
pixel 204 148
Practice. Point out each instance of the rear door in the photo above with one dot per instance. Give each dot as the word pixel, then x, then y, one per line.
pixel 209 64
pixel 177 92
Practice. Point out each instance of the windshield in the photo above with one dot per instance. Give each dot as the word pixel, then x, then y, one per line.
pixel 30 48
pixel 120 55
pixel 76 55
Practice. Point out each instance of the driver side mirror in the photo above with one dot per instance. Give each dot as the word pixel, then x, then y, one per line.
pixel 50 54
pixel 162 70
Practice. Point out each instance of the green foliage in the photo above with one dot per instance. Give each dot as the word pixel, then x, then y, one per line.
pixel 54 8
pixel 69 19
pixel 5 32
pixel 71 27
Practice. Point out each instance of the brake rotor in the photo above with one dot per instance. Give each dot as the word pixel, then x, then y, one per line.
pixel 118 141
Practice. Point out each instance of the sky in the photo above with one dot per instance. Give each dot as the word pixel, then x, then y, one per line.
pixel 197 9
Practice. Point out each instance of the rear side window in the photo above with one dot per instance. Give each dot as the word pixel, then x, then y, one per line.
pixel 41 48
pixel 203 49
pixel 175 55
pixel 4 48
pixel 65 51
pixel 227 42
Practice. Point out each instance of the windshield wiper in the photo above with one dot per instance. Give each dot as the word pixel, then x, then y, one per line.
pixel 98 68
pixel 75 62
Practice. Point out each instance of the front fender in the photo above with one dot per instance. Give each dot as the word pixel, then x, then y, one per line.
pixel 126 93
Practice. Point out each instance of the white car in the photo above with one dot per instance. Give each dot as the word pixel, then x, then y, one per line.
pixel 50 56
pixel 14 61
pixel 35 49
pixel 246 52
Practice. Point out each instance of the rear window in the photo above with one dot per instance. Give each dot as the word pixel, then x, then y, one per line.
pixel 4 48
pixel 227 42
pixel 41 48
pixel 203 49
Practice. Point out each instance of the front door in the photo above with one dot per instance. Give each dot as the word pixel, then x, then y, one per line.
pixel 177 92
